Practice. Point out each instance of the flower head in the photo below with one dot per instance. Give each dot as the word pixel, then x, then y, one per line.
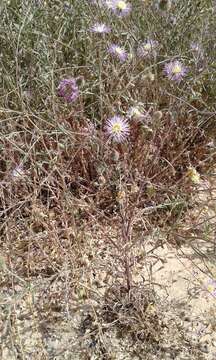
pixel 120 196
pixel 68 90
pixel 120 7
pixel 118 52
pixel 193 175
pixel 147 48
pixel 157 115
pixel 164 5
pixel 117 128
pixel 136 112
pixel 100 28
pixel 211 287
pixel 175 70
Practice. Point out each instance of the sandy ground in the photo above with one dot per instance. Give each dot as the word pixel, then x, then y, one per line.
pixel 182 278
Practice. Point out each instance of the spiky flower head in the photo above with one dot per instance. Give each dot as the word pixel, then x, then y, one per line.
pixel 157 115
pixel 120 7
pixel 100 28
pixel 121 196
pixel 68 90
pixel 118 52
pixel 136 112
pixel 147 48
pixel 164 5
pixel 193 175
pixel 148 76
pixel 117 128
pixel 175 70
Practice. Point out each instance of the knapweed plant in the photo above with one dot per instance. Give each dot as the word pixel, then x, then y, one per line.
pixel 107 113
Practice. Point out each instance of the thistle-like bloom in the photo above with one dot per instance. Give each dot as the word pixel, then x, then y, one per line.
pixel 157 115
pixel 193 175
pixel 211 287
pixel 175 70
pixel 118 52
pixel 117 128
pixel 121 196
pixel 147 48
pixel 164 5
pixel 68 90
pixel 120 7
pixel 100 28
pixel 136 113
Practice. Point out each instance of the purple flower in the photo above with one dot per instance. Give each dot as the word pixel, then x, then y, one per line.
pixel 117 128
pixel 120 7
pixel 100 28
pixel 68 90
pixel 175 70
pixel 211 287
pixel 118 52
pixel 147 48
